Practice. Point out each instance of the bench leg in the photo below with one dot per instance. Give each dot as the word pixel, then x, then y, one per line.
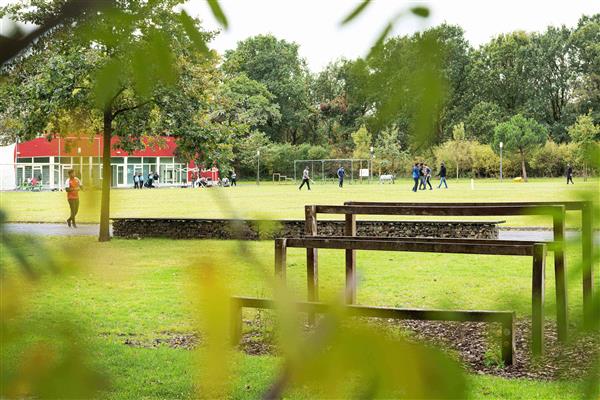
pixel 587 245
pixel 350 230
pixel 312 277
pixel 537 300
pixel 280 259
pixel 312 270
pixel 560 273
pixel 236 322
pixel 508 340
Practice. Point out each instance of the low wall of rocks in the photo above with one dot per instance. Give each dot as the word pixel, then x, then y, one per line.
pixel 192 228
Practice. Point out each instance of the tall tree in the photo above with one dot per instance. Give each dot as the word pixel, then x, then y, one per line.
pixel 585 41
pixel 586 134
pixel 339 91
pixel 117 65
pixel 500 73
pixel 277 64
pixel 362 143
pixel 482 120
pixel 521 135
pixel 553 75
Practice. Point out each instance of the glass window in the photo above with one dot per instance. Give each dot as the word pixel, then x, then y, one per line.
pixel 148 168
pixel 24 160
pixel 134 160
pixel 41 159
pixel 63 160
pixel 130 172
pixel 149 160
pixel 166 160
pixel 46 174
pixel 56 172
pixel 117 160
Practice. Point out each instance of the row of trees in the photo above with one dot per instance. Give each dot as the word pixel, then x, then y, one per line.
pixel 464 157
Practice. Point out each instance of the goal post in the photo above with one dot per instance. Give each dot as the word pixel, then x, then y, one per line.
pixel 326 169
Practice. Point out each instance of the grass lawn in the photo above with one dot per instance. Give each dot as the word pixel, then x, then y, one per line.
pixel 144 289
pixel 283 201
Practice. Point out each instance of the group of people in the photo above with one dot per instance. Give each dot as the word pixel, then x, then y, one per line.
pixel 202 181
pixel 421 174
pixel 139 183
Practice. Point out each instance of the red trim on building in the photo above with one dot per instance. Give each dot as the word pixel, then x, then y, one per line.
pixel 68 147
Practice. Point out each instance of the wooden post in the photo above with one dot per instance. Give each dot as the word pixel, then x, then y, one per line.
pixel 508 340
pixel 350 230
pixel 280 259
pixel 236 321
pixel 587 223
pixel 312 258
pixel 537 299
pixel 560 274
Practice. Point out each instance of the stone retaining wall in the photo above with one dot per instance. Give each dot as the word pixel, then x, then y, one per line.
pixel 188 228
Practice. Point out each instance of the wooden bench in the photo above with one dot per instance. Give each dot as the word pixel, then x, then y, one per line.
pixel 556 212
pixel 350 244
pixel 586 208
pixel 505 318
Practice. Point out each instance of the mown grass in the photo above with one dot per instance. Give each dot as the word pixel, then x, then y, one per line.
pixel 283 200
pixel 149 288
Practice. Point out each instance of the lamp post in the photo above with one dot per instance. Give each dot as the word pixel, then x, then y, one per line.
pixel 371 165
pixel 258 167
pixel 501 145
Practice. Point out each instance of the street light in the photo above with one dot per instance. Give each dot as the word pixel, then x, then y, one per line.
pixel 371 164
pixel 257 167
pixel 501 145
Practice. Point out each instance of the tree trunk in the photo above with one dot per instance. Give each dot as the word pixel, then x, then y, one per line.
pixel 523 169
pixel 104 235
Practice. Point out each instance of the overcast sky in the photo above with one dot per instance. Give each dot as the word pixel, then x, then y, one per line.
pixel 315 24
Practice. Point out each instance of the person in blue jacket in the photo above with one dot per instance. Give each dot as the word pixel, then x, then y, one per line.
pixel 340 173
pixel 416 173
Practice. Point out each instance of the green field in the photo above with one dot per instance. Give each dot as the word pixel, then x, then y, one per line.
pixel 147 289
pixel 282 201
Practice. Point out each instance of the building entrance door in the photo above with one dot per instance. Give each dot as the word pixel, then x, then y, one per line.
pixel 20 176
pixel 118 175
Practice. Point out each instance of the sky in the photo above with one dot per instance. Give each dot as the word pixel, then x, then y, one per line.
pixel 315 24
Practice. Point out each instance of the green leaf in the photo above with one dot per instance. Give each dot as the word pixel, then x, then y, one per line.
pixel 379 42
pixel 420 11
pixel 190 28
pixel 356 11
pixel 218 12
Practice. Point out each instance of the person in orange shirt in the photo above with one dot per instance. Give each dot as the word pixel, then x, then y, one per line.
pixel 73 186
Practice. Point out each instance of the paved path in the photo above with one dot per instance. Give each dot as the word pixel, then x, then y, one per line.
pixel 92 230
pixel 53 229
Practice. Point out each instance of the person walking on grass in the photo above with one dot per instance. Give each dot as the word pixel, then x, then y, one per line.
pixel 72 187
pixel 136 181
pixel 422 176
pixel 570 174
pixel 442 175
pixel 233 178
pixel 305 178
pixel 428 177
pixel 340 173
pixel 415 175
